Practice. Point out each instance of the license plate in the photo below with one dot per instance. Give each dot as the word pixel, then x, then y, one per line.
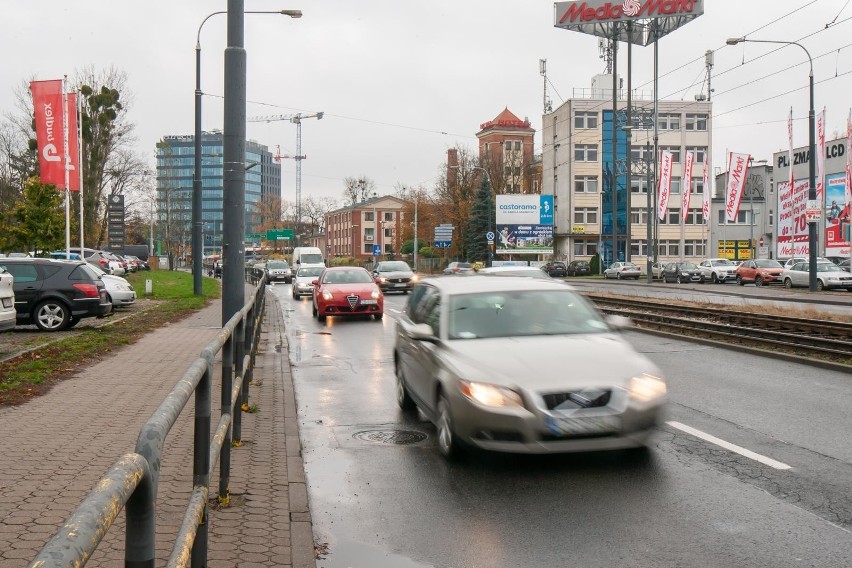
pixel 400 285
pixel 366 302
pixel 586 425
pixel 7 302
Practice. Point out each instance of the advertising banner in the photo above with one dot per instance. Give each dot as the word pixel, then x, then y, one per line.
pixel 705 203
pixel 686 185
pixel 737 173
pixel 792 223
pixel 820 168
pixel 837 218
pixel 524 224
pixel 665 183
pixel 51 134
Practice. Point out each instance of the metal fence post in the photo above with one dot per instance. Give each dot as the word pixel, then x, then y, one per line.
pixel 227 408
pixel 201 460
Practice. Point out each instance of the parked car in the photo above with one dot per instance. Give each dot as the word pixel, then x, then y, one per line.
pixel 718 270
pixel 459 268
pixel 142 264
pixel 529 271
pixel 7 300
pixel 844 264
pixel 302 281
pixel 828 275
pixel 791 261
pixel 760 271
pixel 836 259
pixel 681 272
pixel 55 294
pixel 119 290
pixel 347 291
pixel 657 270
pixel 450 361
pixel 555 268
pixel 107 262
pixel 578 268
pixel 621 270
pixel 279 270
pixel 394 275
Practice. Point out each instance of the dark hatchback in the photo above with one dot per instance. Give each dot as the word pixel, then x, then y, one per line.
pixel 578 268
pixel 54 294
pixel 555 268
pixel 394 276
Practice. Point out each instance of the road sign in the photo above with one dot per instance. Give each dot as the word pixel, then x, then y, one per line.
pixel 760 242
pixel 489 235
pixel 377 250
pixel 813 213
pixel 279 234
pixel 254 237
pixel 443 244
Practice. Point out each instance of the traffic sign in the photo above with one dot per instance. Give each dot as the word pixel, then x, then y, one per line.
pixel 279 234
pixel 377 250
pixel 443 244
pixel 489 235
pixel 254 237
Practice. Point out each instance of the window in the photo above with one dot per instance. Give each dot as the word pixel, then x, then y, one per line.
pixel 669 122
pixel 696 122
pixel 700 153
pixel 675 150
pixel 388 215
pixel 585 120
pixel 510 145
pixel 668 248
pixel 369 234
pixel 368 216
pixel 586 184
pixel 675 188
pixel 586 153
pixel 694 217
pixel 639 248
pixel 586 215
pixel 638 185
pixel 584 247
pixel 638 216
pixel 672 217
pixel 368 248
pixel 388 233
pixel 641 153
pixel 740 220
pixel 698 185
pixel 693 248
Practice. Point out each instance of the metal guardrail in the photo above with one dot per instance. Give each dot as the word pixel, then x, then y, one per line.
pixel 131 482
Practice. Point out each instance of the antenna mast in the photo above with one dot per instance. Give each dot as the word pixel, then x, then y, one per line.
pixel 542 70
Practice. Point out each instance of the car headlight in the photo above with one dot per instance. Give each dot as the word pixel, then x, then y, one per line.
pixel 647 387
pixel 376 294
pixel 326 295
pixel 414 278
pixel 491 395
pixel 382 279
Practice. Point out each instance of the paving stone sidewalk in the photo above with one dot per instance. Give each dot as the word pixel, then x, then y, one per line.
pixel 55 448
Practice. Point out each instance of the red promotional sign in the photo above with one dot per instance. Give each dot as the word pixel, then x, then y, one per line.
pixel 665 183
pixel 737 172
pixel 50 133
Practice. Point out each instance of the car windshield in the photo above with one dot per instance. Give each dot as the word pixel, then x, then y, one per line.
pixel 723 262
pixel 311 258
pixel 521 313
pixel 347 277
pixel 687 266
pixel 393 267
pixel 515 271
pixel 312 271
pixel 767 264
pixel 277 264
pixel 829 267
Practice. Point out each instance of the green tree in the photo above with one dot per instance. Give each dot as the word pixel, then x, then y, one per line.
pixel 37 221
pixel 476 246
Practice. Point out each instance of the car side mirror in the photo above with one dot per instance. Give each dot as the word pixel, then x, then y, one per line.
pixel 378 280
pixel 314 282
pixel 422 332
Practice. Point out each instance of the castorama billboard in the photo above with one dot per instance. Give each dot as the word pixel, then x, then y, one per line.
pixel 524 224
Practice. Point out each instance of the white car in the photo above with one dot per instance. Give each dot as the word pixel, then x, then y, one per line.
pixel 828 274
pixel 791 261
pixel 119 291
pixel 718 270
pixel 8 315
pixel 619 270
pixel 302 281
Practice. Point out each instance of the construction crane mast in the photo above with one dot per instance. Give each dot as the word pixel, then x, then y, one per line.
pixel 297 120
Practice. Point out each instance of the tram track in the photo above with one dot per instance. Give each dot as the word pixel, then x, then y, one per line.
pixel 826 342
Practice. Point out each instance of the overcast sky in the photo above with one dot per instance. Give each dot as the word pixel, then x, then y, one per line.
pixel 402 81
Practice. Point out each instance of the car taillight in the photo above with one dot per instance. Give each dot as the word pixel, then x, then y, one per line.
pixel 88 290
pixel 103 262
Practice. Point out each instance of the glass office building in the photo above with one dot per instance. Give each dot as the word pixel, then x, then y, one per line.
pixel 175 169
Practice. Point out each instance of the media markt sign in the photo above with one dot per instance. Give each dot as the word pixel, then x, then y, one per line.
pixel 650 19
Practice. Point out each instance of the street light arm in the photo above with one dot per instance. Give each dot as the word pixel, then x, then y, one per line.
pixel 736 40
pixel 292 13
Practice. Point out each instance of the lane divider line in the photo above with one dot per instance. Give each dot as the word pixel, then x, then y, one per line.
pixel 729 446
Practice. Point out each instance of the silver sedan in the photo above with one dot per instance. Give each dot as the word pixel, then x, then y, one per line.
pixel 476 355
pixel 619 270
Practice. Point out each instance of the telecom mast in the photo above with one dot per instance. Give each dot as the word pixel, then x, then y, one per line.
pixel 542 69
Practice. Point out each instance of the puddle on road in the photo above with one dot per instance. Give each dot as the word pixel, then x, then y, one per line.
pixel 350 554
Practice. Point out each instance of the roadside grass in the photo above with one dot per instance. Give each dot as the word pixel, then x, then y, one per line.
pixel 35 372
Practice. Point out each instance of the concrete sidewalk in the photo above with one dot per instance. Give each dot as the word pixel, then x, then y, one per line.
pixel 55 448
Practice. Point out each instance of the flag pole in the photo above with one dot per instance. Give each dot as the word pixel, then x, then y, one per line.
pixel 67 158
pixel 79 134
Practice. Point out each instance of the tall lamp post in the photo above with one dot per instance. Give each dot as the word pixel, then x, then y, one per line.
pixel 812 226
pixel 197 237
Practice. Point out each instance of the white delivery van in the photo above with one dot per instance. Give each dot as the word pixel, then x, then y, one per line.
pixel 307 256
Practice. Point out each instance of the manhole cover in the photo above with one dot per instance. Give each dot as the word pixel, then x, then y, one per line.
pixel 398 437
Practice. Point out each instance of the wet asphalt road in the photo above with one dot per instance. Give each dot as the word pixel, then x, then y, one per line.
pixel 377 504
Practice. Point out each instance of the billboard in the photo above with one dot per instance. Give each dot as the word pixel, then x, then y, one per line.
pixel 792 222
pixel 524 224
pixel 837 216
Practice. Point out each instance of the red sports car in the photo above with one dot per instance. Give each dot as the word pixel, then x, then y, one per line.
pixel 347 291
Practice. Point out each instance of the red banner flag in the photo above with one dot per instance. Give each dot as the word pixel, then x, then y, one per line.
pixel 665 183
pixel 686 185
pixel 50 120
pixel 737 172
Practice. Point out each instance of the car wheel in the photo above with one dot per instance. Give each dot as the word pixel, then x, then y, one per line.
pixel 715 278
pixel 740 280
pixel 618 275
pixel 788 283
pixel 52 316
pixel 758 281
pixel 820 286
pixel 403 399
pixel 313 309
pixel 680 279
pixel 320 317
pixel 448 445
pixel 109 298
pixel 379 316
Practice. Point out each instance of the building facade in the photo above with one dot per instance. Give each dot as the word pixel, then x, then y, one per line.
pixel 752 233
pixel 175 171
pixel 578 166
pixel 366 230
pixel 507 151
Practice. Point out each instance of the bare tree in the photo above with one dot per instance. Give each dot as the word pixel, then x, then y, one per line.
pixel 315 210
pixel 358 189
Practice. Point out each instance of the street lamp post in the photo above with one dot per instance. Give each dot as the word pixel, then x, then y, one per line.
pixel 812 226
pixel 197 237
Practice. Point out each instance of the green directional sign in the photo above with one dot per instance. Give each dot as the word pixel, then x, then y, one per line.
pixel 254 237
pixel 279 234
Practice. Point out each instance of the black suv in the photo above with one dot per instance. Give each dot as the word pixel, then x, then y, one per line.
pixel 578 268
pixel 56 294
pixel 555 268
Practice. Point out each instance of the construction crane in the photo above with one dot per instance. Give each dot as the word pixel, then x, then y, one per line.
pixel 297 120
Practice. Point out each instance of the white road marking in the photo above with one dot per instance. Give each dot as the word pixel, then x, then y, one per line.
pixel 729 446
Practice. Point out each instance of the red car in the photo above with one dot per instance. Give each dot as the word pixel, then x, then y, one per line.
pixel 347 291
pixel 760 271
